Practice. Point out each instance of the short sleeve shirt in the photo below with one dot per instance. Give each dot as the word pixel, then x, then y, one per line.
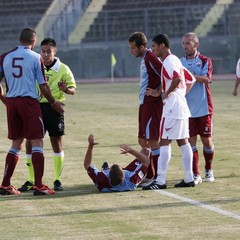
pixel 175 105
pixel 23 71
pixel 59 71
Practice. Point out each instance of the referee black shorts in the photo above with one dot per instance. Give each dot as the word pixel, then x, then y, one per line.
pixel 52 120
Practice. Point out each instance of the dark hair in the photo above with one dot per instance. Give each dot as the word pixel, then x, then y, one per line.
pixel 27 35
pixel 162 38
pixel 49 41
pixel 116 175
pixel 139 38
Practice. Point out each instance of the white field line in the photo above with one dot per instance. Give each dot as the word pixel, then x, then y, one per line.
pixel 164 193
pixel 199 204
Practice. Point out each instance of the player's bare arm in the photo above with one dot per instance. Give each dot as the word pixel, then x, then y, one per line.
pixel 124 148
pixel 88 155
pixel 173 86
pixel 202 79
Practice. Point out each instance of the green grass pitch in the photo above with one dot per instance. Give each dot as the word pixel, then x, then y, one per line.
pixel 110 112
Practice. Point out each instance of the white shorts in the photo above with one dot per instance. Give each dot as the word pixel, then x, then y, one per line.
pixel 174 129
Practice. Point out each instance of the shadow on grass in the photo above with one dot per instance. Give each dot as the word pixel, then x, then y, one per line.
pixel 68 192
pixel 114 209
pixel 81 190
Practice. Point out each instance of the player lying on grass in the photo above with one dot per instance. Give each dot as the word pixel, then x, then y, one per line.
pixel 115 178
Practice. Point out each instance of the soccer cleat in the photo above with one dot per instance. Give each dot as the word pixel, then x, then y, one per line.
pixel 105 166
pixel 27 186
pixel 197 179
pixel 10 190
pixel 154 186
pixel 57 185
pixel 184 184
pixel 44 190
pixel 209 177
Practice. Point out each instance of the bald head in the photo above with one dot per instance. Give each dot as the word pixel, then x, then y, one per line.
pixel 190 44
pixel 192 36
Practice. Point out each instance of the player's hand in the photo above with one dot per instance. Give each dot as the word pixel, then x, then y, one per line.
pixel 164 96
pixel 58 106
pixel 62 85
pixel 124 148
pixel 91 140
pixel 152 92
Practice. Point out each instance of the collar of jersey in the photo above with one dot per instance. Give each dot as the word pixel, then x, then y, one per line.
pixel 56 66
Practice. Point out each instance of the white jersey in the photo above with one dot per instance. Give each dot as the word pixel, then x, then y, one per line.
pixel 175 105
pixel 238 69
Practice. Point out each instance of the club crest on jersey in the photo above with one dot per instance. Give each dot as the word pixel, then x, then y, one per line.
pixel 60 126
pixel 206 130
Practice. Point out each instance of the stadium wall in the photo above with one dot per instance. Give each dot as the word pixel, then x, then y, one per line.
pixel 93 60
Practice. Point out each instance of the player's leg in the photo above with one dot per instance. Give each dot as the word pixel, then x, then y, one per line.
pixel 29 161
pixel 181 134
pixel 15 133
pixel 208 153
pixel 206 130
pixel 28 185
pixel 155 151
pixel 10 165
pixel 150 120
pixel 142 122
pixel 163 161
pixel 54 124
pixel 187 157
pixel 155 115
pixel 58 161
pixel 34 131
pixel 164 158
pixel 193 132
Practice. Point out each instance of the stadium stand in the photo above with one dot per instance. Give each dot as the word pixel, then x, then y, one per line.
pixel 86 20
pixel 228 24
pixel 118 19
pixel 15 15
pixel 212 17
pixel 50 18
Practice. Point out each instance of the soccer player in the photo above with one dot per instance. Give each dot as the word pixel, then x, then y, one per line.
pixel 150 108
pixel 174 123
pixel 200 103
pixel 237 81
pixel 22 69
pixel 115 178
pixel 61 81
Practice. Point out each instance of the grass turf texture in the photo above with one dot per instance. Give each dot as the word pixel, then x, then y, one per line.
pixel 110 112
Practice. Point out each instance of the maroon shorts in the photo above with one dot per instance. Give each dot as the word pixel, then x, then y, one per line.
pixel 149 120
pixel 202 126
pixel 24 118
